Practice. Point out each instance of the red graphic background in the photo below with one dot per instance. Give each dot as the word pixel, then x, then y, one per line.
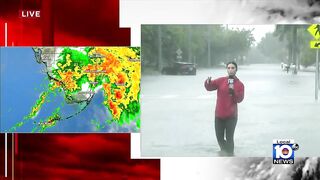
pixel 69 156
pixel 63 23
pixel 76 156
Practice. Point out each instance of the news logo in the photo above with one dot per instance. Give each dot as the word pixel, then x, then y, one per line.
pixel 283 151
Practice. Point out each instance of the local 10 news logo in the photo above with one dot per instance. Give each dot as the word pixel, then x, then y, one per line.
pixel 283 151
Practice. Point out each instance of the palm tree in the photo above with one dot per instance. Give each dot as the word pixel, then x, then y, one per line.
pixel 290 34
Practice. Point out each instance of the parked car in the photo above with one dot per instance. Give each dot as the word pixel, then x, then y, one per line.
pixel 180 68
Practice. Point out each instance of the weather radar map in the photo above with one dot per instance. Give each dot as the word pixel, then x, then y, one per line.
pixel 70 89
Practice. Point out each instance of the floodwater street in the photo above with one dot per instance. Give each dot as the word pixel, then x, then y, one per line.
pixel 177 113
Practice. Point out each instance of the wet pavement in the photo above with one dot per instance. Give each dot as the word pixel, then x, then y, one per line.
pixel 177 113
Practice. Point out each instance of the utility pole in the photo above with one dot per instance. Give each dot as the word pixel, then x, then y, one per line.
pixel 315 32
pixel 209 47
pixel 294 49
pixel 317 87
pixel 189 44
pixel 159 48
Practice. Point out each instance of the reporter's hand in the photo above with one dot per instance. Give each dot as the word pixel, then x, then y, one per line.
pixel 209 79
pixel 231 91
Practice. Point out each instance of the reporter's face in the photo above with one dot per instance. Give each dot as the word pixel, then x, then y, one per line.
pixel 231 69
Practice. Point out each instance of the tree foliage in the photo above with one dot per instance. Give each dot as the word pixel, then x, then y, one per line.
pixel 195 41
pixel 297 40
pixel 273 49
pixel 288 44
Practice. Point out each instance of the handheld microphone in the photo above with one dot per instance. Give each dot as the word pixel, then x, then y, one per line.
pixel 230 84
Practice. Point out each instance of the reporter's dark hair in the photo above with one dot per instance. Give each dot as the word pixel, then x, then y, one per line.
pixel 232 62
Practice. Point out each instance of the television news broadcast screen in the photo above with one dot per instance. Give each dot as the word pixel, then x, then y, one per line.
pixel 182 44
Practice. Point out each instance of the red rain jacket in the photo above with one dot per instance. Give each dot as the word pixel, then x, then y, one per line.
pixel 226 106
